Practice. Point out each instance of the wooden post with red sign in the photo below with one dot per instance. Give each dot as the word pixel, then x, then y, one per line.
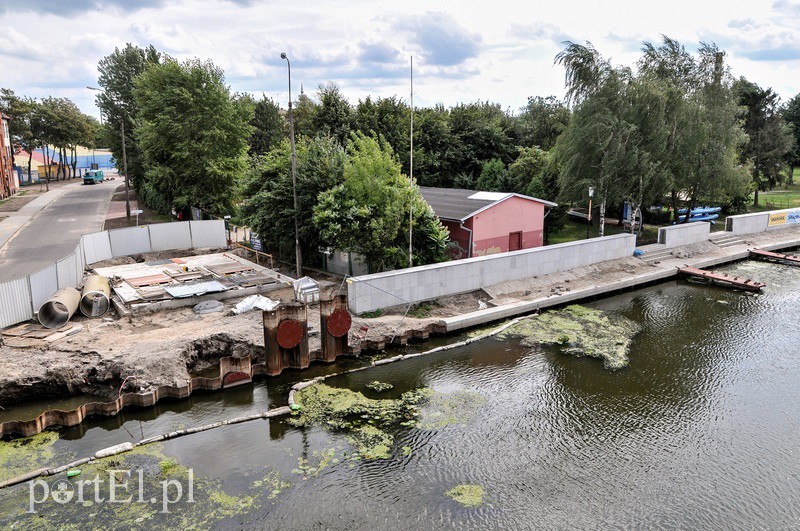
pixel 286 338
pixel 335 322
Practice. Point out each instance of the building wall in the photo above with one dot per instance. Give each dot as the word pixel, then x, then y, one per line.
pixel 459 236
pixel 491 228
pixel 8 181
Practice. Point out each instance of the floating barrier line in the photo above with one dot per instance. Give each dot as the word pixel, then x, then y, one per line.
pixel 276 412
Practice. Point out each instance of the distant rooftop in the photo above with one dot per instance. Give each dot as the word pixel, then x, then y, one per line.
pixel 459 205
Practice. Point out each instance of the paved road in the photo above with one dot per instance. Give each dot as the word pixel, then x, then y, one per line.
pixel 54 232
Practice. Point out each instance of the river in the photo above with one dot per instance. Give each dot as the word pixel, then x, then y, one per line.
pixel 700 431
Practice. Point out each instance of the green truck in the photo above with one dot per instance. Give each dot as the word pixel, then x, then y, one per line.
pixel 93 177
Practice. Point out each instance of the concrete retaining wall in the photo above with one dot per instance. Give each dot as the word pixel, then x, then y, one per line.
pixel 684 234
pixel 759 221
pixel 381 290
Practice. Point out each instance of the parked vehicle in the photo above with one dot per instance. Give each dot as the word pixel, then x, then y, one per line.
pixel 93 177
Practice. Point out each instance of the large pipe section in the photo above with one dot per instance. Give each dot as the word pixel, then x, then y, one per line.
pixel 57 311
pixel 95 297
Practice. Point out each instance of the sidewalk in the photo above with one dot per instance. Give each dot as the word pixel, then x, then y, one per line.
pixel 10 225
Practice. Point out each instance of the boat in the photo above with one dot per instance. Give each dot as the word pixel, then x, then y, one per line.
pixel 701 217
pixel 701 210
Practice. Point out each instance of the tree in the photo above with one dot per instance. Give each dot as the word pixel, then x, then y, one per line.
pixel 269 127
pixel 117 74
pixel 333 116
pixel 481 132
pixel 494 177
pixel 368 213
pixel 305 111
pixel 791 114
pixel 542 121
pixel 21 110
pixel 193 134
pixel 389 118
pixel 526 173
pixel 269 204
pixel 770 139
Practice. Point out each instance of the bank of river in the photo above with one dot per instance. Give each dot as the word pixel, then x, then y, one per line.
pixel 699 431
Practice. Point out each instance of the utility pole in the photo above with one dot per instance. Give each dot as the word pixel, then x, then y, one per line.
pixel 411 178
pixel 125 169
pixel 297 251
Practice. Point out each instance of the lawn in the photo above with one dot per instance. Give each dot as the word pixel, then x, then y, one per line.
pixel 780 197
pixel 575 230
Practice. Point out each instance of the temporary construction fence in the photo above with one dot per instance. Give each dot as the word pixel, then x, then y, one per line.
pixel 21 298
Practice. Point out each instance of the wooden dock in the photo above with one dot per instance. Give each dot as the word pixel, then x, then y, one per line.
pixel 722 279
pixel 774 257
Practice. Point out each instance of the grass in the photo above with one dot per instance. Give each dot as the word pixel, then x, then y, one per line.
pixel 781 197
pixel 575 230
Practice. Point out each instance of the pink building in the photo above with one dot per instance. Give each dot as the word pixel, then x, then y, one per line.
pixel 484 223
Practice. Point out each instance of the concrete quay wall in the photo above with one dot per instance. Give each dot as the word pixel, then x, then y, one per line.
pixel 684 234
pixel 381 290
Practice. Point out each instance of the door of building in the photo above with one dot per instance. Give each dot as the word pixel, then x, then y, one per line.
pixel 515 241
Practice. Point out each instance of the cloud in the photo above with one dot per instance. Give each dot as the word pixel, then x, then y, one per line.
pixel 442 40
pixel 539 31
pixel 378 53
pixel 71 8
pixel 764 41
pixel 785 7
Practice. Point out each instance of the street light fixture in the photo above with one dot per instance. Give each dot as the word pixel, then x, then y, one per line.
pixel 298 254
pixel 589 214
pixel 124 158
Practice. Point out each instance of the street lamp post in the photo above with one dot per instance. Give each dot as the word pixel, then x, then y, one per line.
pixel 589 215
pixel 298 253
pixel 124 158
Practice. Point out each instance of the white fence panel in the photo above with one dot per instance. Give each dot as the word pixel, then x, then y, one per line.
pixel 96 247
pixel 210 233
pixel 133 240
pixel 43 285
pixel 167 236
pixel 16 302
pixel 69 271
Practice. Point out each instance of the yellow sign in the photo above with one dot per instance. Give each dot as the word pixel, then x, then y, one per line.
pixel 778 218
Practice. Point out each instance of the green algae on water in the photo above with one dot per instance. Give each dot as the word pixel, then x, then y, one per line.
pixel 467 495
pixel 379 386
pixel 449 409
pixel 366 420
pixel 580 331
pixel 23 455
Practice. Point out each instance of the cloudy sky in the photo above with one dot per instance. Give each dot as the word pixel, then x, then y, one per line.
pixel 496 50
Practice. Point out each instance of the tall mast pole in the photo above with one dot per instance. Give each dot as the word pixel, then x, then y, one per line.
pixel 411 177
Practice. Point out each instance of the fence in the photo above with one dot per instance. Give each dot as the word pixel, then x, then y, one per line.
pixel 381 290
pixel 21 298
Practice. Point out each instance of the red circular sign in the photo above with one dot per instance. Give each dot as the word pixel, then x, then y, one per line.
pixel 339 323
pixel 290 332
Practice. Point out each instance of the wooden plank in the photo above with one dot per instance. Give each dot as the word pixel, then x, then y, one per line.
pixel 150 280
pixel 721 278
pixel 775 257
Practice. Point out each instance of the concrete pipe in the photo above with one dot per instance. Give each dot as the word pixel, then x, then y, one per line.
pixel 95 296
pixel 57 311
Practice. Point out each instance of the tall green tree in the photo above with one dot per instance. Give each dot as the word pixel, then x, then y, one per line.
pixel 368 213
pixel 193 134
pixel 770 138
pixel 389 118
pixel 269 202
pixel 269 126
pixel 21 110
pixel 118 71
pixel 791 114
pixel 541 122
pixel 334 115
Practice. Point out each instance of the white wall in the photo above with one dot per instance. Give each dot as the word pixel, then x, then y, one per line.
pixel 371 292
pixel 684 233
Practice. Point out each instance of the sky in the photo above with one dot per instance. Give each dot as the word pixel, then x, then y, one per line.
pixel 463 51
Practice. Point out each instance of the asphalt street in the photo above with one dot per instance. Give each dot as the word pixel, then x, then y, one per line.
pixel 56 230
